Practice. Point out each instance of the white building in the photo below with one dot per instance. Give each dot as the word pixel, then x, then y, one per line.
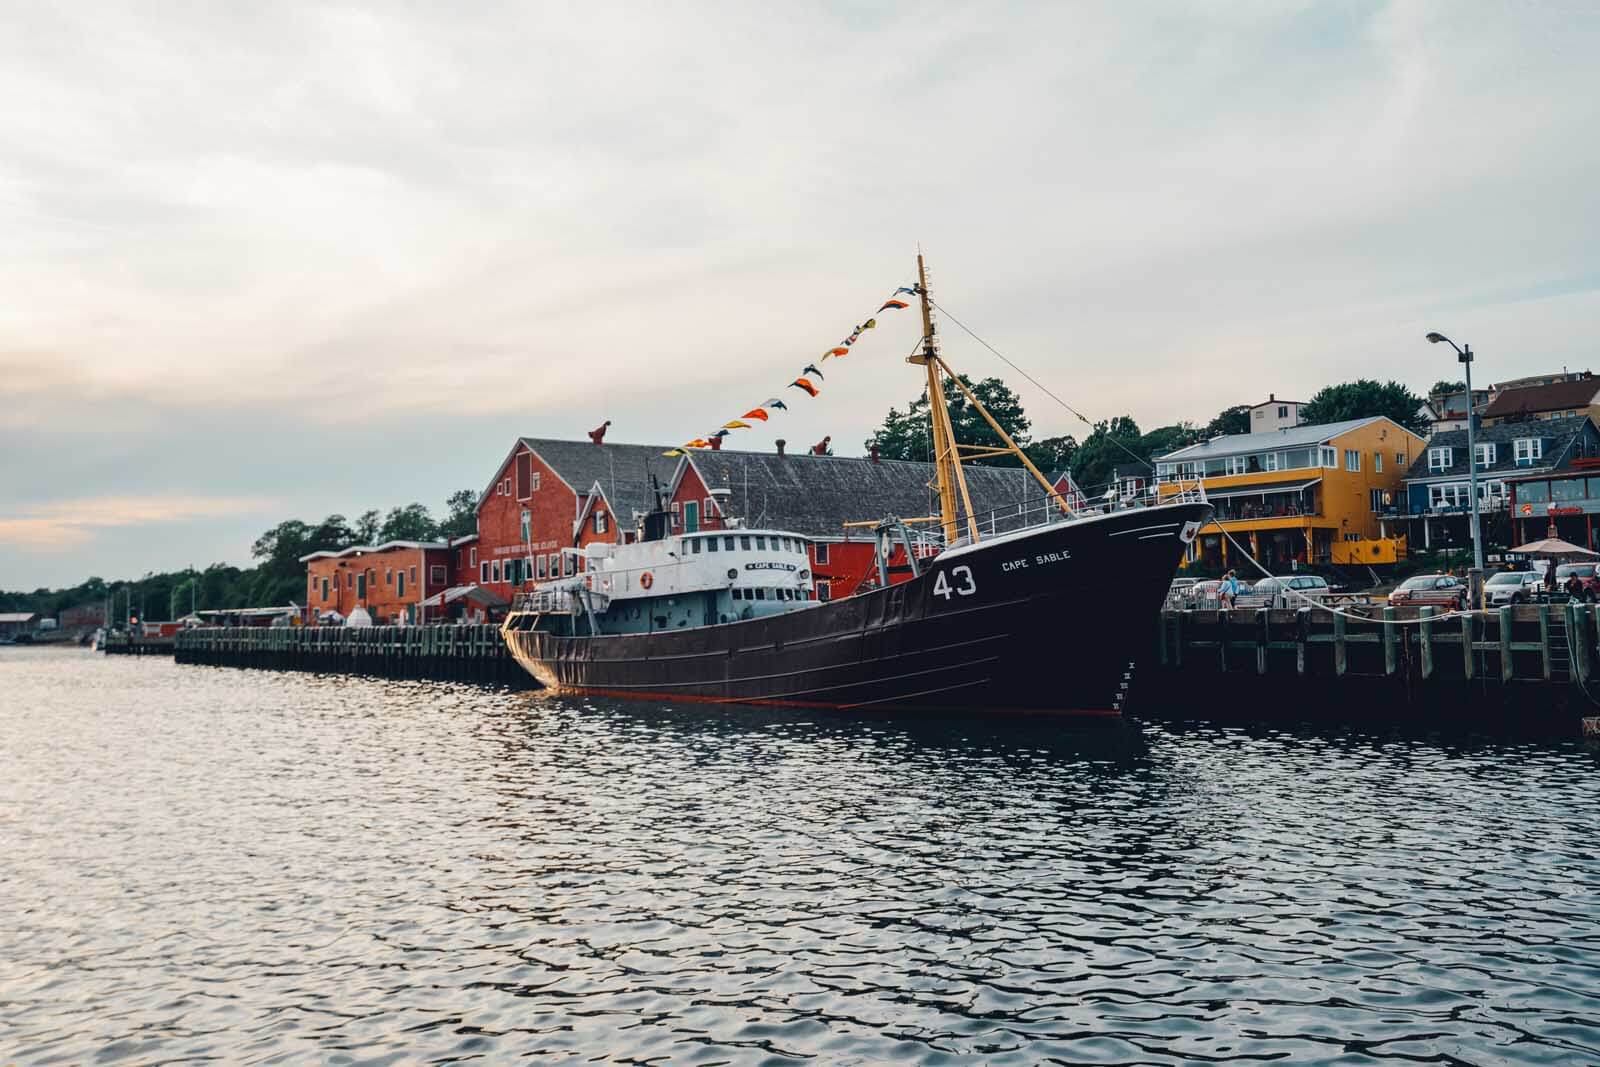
pixel 1274 414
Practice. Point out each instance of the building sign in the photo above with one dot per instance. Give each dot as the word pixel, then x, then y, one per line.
pixel 523 549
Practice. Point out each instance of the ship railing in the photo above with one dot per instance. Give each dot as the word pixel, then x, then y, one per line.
pixel 568 598
pixel 1079 504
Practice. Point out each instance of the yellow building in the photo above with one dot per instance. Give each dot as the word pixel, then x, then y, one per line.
pixel 1307 494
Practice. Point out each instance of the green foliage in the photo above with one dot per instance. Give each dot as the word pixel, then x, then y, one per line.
pixel 1364 398
pixel 906 435
pixel 1109 444
pixel 368 523
pixel 461 517
pixel 1053 454
pixel 1442 386
pixel 410 522
pixel 1234 420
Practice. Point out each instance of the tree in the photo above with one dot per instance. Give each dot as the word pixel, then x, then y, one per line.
pixel 1232 420
pixel 410 522
pixel 368 523
pixel 1362 399
pixel 1166 439
pixel 1109 444
pixel 1443 386
pixel 461 517
pixel 906 436
pixel 1053 454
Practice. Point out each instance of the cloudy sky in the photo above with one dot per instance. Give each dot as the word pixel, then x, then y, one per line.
pixel 261 261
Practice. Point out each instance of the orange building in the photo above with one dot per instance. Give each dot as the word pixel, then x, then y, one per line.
pixel 389 580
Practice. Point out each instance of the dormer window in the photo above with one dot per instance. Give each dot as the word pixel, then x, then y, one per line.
pixel 1440 459
pixel 1529 450
pixel 1485 456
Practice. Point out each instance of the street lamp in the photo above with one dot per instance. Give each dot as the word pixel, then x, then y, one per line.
pixel 1464 355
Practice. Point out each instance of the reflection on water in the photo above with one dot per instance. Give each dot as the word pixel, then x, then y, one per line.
pixel 242 866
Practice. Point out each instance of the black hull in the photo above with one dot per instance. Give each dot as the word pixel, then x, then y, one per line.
pixel 1045 621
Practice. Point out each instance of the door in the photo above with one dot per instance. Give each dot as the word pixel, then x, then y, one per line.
pixel 691 516
pixel 361 587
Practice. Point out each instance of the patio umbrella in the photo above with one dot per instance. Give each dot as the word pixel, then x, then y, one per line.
pixel 1550 548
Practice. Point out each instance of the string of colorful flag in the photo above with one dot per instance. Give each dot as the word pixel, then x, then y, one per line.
pixel 809 381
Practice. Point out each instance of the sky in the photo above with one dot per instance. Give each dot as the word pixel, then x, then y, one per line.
pixel 262 261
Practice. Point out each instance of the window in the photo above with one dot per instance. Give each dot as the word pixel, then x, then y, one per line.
pixel 1567 489
pixel 822 557
pixel 1234 465
pixel 1440 459
pixel 695 545
pixel 555 564
pixel 1484 455
pixel 474 557
pixel 738 594
pixel 494 571
pixel 761 593
pixel 1283 411
pixel 824 589
pixel 1533 493
pixel 709 509
pixel 388 576
pixel 712 543
pixel 727 544
pixel 1352 460
pixel 483 573
pixel 535 482
pixel 1378 499
pixel 538 567
pixel 524 476
pixel 436 574
pixel 744 542
pixel 1400 460
pixel 1271 461
pixel 1451 495
pixel 761 543
pixel 350 579
pixel 569 566
pixel 1330 456
pixel 1528 449
pixel 1377 463
pixel 413 574
pixel 602 522
pixel 400 585
pixel 677 515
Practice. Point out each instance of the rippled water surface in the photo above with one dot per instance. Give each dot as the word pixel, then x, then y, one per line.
pixel 211 864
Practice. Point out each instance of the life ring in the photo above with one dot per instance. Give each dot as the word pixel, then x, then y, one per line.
pixel 646 580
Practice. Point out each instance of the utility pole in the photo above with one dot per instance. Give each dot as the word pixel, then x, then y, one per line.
pixel 1464 356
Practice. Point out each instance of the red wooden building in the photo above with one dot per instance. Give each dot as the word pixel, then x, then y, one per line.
pixel 389 580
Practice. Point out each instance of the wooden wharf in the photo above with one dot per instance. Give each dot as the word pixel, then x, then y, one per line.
pixel 474 653
pixel 1542 658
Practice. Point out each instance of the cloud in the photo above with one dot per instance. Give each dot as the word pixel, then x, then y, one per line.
pixel 341 255
pixel 70 524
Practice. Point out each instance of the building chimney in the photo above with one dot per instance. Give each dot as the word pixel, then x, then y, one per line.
pixel 874 453
pixel 781 443
pixel 1272 398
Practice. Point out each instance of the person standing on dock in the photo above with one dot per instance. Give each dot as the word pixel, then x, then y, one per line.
pixel 1229 591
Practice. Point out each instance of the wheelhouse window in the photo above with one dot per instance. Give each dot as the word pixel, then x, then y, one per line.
pixel 712 543
pixel 744 542
pixel 694 545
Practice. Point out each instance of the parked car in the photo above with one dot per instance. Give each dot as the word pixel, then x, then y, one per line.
pixel 1586 574
pixel 1437 590
pixel 1293 591
pixel 1511 587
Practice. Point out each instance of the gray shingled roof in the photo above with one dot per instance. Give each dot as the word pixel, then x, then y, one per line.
pixel 1531 399
pixel 808 494
pixel 1268 440
pixel 815 495
pixel 1558 436
pixel 622 471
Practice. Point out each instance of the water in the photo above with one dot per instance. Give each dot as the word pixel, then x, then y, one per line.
pixel 209 864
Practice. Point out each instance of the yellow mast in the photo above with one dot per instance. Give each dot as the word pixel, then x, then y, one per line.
pixel 947 451
pixel 946 454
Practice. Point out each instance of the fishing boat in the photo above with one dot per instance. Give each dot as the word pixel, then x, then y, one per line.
pixel 1042 608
